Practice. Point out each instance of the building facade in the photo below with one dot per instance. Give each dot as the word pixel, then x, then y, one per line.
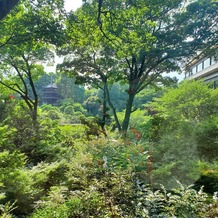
pixel 205 68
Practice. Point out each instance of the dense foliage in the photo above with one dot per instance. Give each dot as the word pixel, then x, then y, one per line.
pixel 120 140
pixel 60 169
pixel 135 42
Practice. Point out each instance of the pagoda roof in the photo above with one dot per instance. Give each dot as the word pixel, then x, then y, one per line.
pixel 51 86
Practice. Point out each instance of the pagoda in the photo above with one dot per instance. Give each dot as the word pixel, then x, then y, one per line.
pixel 50 95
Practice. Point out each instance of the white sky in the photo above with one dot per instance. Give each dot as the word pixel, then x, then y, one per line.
pixel 69 5
pixel 72 4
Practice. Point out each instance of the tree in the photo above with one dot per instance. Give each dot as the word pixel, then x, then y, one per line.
pixel 184 133
pixel 90 63
pixel 68 89
pixel 191 110
pixel 33 20
pixel 88 60
pixel 18 73
pixel 26 40
pixel 143 39
pixel 192 100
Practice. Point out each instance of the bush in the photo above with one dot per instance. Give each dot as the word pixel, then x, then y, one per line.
pixel 181 202
pixel 16 183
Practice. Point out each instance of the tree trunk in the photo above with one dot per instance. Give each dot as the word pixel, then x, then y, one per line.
pixel 35 101
pixel 6 6
pixel 128 112
pixel 104 111
pixel 112 108
pixel 35 111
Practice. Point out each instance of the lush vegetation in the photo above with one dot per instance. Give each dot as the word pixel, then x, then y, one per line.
pixel 63 168
pixel 122 140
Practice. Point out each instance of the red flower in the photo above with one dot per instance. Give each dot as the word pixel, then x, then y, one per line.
pixel 11 97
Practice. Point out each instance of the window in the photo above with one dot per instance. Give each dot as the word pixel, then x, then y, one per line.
pixel 194 70
pixel 200 66
pixel 206 63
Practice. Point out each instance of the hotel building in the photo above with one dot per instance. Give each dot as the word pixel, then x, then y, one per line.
pixel 205 68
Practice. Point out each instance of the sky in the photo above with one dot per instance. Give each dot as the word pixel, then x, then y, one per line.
pixel 69 5
pixel 72 4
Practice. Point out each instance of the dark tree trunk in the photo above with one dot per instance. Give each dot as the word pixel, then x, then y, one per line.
pixel 6 6
pixel 104 112
pixel 113 109
pixel 128 112
pixel 35 101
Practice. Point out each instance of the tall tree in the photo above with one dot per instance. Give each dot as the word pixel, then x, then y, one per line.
pixel 18 72
pixel 33 20
pixel 145 38
pixel 184 132
pixel 26 38
pixel 88 59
